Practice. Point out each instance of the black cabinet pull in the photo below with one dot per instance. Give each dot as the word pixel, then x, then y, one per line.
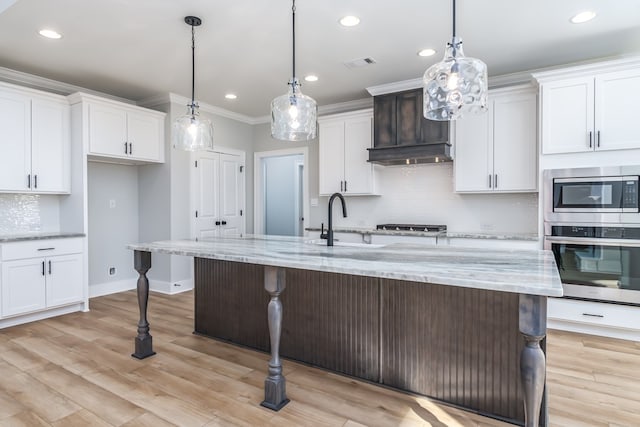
pixel 598 144
pixel 590 139
pixel 43 268
pixel 495 181
pixel 217 222
pixel 345 186
pixel 130 148
pixel 29 181
pixel 46 249
pixel 593 315
pixel 49 266
pixel 126 151
pixel 341 186
pixel 489 180
pixel 224 222
pixel 35 181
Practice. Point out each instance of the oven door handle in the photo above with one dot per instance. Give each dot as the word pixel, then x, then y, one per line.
pixel 593 241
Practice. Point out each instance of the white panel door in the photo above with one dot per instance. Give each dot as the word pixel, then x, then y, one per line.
pixel 107 130
pixel 358 175
pixel 23 286
pixel 515 166
pixel 331 153
pixel 567 116
pixel 473 160
pixel 15 142
pixel 616 120
pixel 51 149
pixel 64 280
pixel 231 195
pixel 144 134
pixel 206 183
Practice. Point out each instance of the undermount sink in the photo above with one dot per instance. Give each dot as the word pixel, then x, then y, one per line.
pixel 323 242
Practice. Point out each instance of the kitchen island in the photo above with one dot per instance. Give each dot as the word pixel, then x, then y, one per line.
pixel 444 322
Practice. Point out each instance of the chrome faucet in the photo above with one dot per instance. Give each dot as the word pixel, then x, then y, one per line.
pixel 344 214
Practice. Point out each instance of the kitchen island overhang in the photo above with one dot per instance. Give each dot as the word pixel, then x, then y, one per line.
pixel 492 275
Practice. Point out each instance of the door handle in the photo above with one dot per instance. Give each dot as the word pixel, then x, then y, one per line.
pixel 217 222
pixel 224 222
pixel 49 266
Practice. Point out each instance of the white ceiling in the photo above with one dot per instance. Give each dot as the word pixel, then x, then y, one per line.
pixel 140 48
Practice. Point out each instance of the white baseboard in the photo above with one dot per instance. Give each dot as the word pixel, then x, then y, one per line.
pixel 101 289
pixel 32 317
pixel 171 288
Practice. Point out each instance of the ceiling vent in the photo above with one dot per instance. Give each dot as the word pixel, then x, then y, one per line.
pixel 360 62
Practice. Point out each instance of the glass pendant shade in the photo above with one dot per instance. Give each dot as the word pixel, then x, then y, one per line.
pixel 293 115
pixel 191 132
pixel 454 86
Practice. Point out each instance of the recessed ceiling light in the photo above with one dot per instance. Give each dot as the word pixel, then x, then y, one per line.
pixel 349 21
pixel 426 52
pixel 311 78
pixel 231 96
pixel 585 16
pixel 50 34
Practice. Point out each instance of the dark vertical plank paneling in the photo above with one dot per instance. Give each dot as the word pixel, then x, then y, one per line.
pixel 464 350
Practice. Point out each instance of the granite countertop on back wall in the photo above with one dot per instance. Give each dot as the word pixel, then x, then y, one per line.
pixel 8 238
pixel 449 234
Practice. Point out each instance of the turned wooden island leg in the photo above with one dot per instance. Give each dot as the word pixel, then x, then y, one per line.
pixel 275 395
pixel 533 326
pixel 143 342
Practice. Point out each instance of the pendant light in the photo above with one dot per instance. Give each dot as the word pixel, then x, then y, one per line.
pixel 456 85
pixel 191 132
pixel 294 115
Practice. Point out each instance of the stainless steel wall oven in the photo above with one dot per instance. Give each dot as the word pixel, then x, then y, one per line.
pixel 592 225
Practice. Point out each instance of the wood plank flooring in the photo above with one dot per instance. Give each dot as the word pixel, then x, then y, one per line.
pixel 76 370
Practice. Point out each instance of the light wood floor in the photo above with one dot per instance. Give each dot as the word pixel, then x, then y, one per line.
pixel 76 370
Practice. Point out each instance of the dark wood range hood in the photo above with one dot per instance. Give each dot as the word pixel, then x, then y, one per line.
pixel 401 134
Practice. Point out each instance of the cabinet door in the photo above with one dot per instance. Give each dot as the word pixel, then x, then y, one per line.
pixel 409 118
pixel 515 142
pixel 107 130
pixel 616 123
pixel 473 162
pixel 567 116
pixel 358 173
pixel 23 286
pixel 384 111
pixel 331 152
pixel 50 158
pixel 15 143
pixel 64 280
pixel 144 133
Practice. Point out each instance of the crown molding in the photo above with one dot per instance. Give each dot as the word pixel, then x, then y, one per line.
pixel 174 98
pixel 42 83
pixel 395 87
pixel 586 68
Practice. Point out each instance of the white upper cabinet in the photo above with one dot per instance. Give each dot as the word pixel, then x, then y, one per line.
pixel 585 109
pixel 35 142
pixel 344 139
pixel 120 132
pixel 497 151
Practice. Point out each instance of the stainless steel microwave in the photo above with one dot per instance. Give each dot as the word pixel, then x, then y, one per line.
pixel 607 195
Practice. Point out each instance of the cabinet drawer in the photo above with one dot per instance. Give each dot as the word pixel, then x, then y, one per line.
pixel 594 313
pixel 40 248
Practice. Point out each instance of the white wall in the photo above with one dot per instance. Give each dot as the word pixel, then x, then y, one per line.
pixel 112 228
pixel 26 213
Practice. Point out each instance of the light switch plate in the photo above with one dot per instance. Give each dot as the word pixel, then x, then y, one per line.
pixel 314 202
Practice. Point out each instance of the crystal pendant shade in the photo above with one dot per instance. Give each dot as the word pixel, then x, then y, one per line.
pixel 454 86
pixel 293 115
pixel 191 132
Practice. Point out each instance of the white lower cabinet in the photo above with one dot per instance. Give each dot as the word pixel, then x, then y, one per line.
pixel 38 282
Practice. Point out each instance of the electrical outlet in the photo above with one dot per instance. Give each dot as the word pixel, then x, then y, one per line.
pixel 314 202
pixel 112 203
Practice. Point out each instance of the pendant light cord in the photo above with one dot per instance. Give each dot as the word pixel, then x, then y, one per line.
pixel 193 67
pixel 293 22
pixel 454 19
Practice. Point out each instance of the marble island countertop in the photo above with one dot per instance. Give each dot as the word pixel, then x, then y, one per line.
pixel 448 233
pixel 520 271
pixel 8 238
